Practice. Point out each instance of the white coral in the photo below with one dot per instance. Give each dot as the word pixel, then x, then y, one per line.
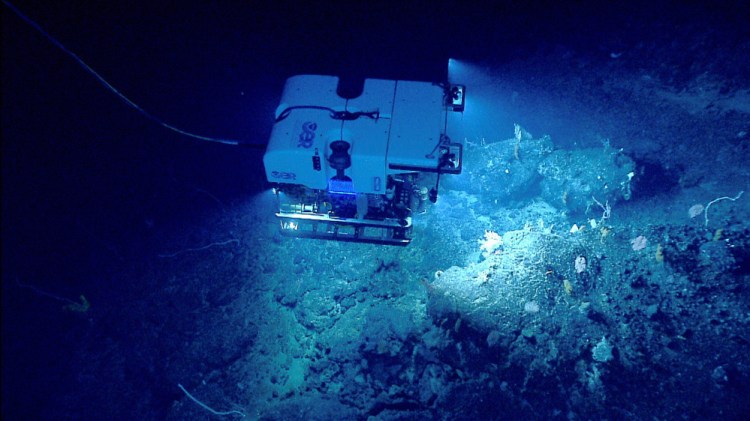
pixel 602 352
pixel 490 243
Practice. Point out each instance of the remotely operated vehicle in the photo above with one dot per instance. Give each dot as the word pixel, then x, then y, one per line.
pixel 349 161
pixel 353 161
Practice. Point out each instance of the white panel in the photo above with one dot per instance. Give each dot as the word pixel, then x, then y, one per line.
pixel 412 118
pixel 312 90
pixel 370 137
pixel 290 151
pixel 418 121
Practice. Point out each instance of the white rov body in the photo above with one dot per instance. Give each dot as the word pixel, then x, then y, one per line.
pixel 347 169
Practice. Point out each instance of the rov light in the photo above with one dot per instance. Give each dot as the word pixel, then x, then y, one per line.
pixel 292 226
pixel 457 97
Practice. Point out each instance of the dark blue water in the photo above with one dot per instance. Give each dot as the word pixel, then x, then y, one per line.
pixel 595 267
